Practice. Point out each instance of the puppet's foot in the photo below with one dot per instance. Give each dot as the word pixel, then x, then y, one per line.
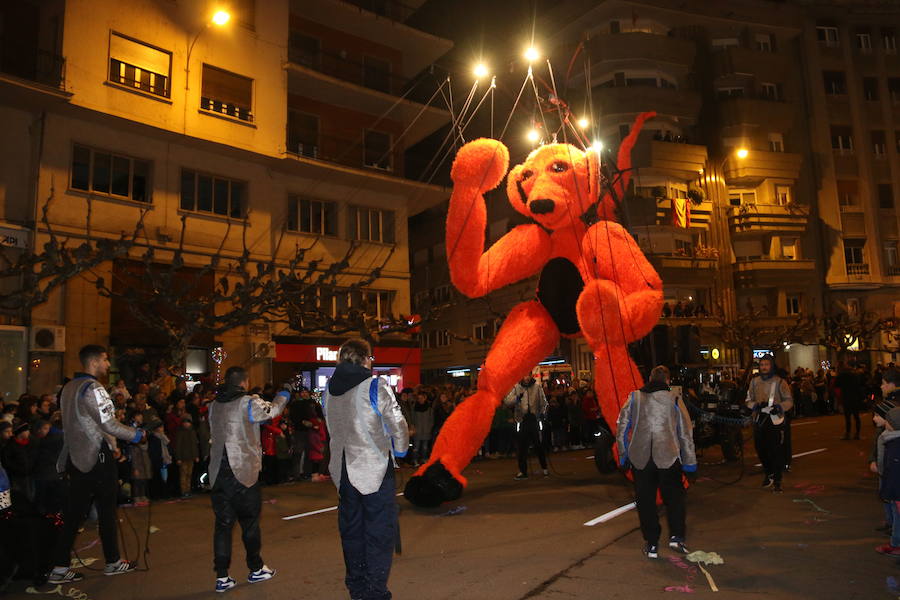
pixel 434 486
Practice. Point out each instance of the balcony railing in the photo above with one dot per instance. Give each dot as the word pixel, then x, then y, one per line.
pixel 893 270
pixel 858 269
pixel 391 9
pixel 348 70
pixel 229 109
pixel 351 153
pixel 39 66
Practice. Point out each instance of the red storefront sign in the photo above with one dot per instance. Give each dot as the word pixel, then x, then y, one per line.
pixel 408 359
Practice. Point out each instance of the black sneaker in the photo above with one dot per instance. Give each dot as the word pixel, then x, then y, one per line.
pixel 787 468
pixel 67 576
pixel 520 476
pixel 777 487
pixel 677 544
pixel 651 550
pixel 119 567
pixel 767 481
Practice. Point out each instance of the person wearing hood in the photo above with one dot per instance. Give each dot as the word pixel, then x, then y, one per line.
pixel 235 460
pixel 769 398
pixel 365 423
pixel 530 406
pixel 889 469
pixel 655 436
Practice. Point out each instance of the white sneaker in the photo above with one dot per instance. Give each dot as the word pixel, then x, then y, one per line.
pixel 262 574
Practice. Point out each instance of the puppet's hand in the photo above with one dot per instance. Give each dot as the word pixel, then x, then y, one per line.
pixel 480 164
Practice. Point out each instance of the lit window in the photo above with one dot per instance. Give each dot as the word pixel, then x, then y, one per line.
pixel 226 93
pixel 139 66
pixel 783 194
pixel 205 193
pixel 113 175
pixel 312 216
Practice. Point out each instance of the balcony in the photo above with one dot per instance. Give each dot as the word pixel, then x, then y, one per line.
pixel 643 46
pixel 768 218
pixel 350 71
pixel 38 66
pixel 736 60
pixel 685 271
pixel 683 160
pixel 758 165
pixel 893 270
pixel 857 269
pixel 776 115
pixel 347 152
pixel 768 272
pixel 635 99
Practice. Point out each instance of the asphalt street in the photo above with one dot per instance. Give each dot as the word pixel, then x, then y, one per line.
pixel 510 540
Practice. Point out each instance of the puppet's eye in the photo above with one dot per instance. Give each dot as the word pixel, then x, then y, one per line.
pixel 526 174
pixel 559 167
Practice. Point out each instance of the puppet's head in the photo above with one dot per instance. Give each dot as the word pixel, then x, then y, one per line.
pixel 556 185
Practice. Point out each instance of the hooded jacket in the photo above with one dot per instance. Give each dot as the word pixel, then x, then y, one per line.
pixel 527 399
pixel 654 425
pixel 362 434
pixel 234 419
pixel 89 418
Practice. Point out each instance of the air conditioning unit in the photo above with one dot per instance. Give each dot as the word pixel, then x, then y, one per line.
pixel 47 338
pixel 264 349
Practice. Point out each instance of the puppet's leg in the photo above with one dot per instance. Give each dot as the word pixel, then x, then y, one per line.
pixel 615 377
pixel 527 336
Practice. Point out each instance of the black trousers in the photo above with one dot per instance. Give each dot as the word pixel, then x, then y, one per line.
pixel 788 449
pixel 99 485
pixel 769 440
pixel 530 435
pixel 851 409
pixel 233 502
pixel 368 526
pixel 647 482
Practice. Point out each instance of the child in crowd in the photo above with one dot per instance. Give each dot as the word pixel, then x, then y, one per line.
pixel 187 453
pixel 318 435
pixel 141 466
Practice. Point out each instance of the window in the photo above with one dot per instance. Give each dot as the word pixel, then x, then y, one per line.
pixel 371 224
pixel 878 143
pixel 764 42
pixel 793 305
pixel 377 150
pixel 870 88
pixel 226 93
pixel 730 92
pixel 889 40
pixel 835 83
pixel 789 248
pixel 848 192
pixel 885 195
pixel 776 142
pixel 303 49
pixel 827 36
pixel 891 258
pixel 205 193
pixel 484 331
pixel 894 89
pixel 139 66
pixel 303 134
pixel 615 27
pixel 783 194
pixel 770 91
pixel 842 139
pixel 739 197
pixel 377 74
pixel 311 216
pixel 443 294
pixel 854 257
pixel 853 307
pixel 864 41
pixel 111 174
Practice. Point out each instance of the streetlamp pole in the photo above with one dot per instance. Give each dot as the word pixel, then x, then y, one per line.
pixel 220 18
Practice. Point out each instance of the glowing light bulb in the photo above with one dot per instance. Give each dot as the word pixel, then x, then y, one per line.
pixel 480 71
pixel 742 153
pixel 583 123
pixel 531 54
pixel 597 146
pixel 533 135
pixel 221 17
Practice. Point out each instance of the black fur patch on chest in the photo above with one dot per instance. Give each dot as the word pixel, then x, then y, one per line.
pixel 558 290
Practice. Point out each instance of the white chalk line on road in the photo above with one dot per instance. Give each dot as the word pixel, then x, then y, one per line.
pixel 611 514
pixel 801 454
pixel 803 423
pixel 315 512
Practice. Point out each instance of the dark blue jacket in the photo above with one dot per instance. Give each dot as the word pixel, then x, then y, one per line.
pixel 890 477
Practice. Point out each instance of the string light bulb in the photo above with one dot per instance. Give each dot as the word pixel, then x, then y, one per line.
pixel 742 153
pixel 583 123
pixel 533 135
pixel 597 146
pixel 480 71
pixel 531 54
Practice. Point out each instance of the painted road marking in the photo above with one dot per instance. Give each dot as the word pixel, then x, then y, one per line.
pixel 801 454
pixel 315 512
pixel 611 514
pixel 803 423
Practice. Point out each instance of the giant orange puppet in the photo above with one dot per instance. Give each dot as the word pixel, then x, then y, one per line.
pixel 594 282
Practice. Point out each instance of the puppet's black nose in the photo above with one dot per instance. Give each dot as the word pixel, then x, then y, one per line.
pixel 542 206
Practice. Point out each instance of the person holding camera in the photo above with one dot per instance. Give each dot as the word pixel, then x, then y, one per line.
pixel 769 398
pixel 654 436
pixel 235 460
pixel 90 430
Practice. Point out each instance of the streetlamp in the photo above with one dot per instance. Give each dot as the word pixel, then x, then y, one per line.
pixel 220 18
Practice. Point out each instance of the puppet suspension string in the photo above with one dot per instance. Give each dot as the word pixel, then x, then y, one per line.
pixel 413 122
pixel 462 113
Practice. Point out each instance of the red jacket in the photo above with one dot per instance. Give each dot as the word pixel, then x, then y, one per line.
pixel 269 432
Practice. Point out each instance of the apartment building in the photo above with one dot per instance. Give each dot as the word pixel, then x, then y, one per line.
pixel 284 126
pixel 738 180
